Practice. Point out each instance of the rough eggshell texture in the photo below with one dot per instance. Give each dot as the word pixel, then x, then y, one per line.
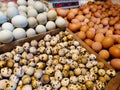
pixel 19 33
pixel 12 11
pixel 42 18
pixel 40 28
pixel 7 26
pixel 115 63
pixel 50 25
pixel 3 18
pixel 6 36
pixel 39 6
pixel 30 32
pixel 19 21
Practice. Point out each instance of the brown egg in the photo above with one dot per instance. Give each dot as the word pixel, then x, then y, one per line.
pixel 75 21
pixel 84 28
pixel 74 10
pixel 114 51
pixel 81 35
pixel 70 16
pixel 107 42
pixel 115 63
pixel 80 17
pixel 104 54
pixel 74 27
pixel 90 24
pixel 90 34
pixel 109 32
pixel 99 37
pixel 61 12
pixel 89 42
pixel 97 46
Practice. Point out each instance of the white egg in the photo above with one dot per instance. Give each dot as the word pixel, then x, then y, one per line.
pixel 50 25
pixel 40 28
pixel 12 11
pixel 7 26
pixel 3 18
pixel 39 6
pixel 42 18
pixel 32 13
pixel 19 33
pixel 27 87
pixel 6 36
pixel 30 7
pixel 11 4
pixel 30 32
pixel 22 8
pixel 19 21
pixel 21 2
pixel 52 15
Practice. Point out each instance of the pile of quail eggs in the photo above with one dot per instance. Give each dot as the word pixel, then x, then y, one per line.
pixel 26 18
pixel 54 63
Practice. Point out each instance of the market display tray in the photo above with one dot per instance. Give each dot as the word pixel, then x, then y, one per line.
pixel 114 83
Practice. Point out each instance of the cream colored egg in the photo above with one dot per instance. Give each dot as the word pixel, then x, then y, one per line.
pixel 30 32
pixel 40 28
pixel 21 2
pixel 6 36
pixel 42 18
pixel 19 21
pixel 19 33
pixel 50 25
pixel 7 26
pixel 52 15
pixel 39 6
pixel 22 8
pixel 32 13
pixel 32 22
pixel 31 2
pixel 12 11
pixel 60 22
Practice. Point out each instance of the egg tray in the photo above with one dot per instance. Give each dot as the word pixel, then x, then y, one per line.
pixel 114 83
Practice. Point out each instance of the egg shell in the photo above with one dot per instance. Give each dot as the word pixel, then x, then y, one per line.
pixel 12 11
pixel 104 54
pixel 30 32
pixel 27 87
pixel 97 46
pixel 11 4
pixel 32 22
pixel 22 8
pixel 6 36
pixel 19 33
pixel 39 6
pixel 3 18
pixel 19 21
pixel 32 12
pixel 115 63
pixel 21 2
pixel 23 13
pixel 7 26
pixel 42 18
pixel 60 22
pixel 40 28
pixel 50 25
pixel 52 15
